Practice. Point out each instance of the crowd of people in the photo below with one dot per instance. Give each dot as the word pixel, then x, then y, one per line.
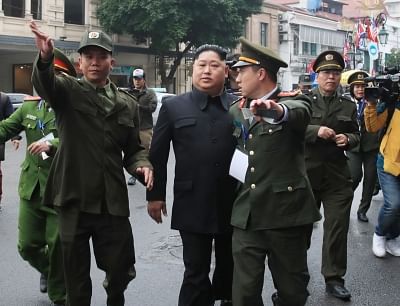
pixel 253 165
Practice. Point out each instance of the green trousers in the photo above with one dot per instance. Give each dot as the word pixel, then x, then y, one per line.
pixel 113 248
pixel 286 250
pixel 39 244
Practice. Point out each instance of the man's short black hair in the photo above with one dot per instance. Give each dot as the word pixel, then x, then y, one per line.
pixel 217 49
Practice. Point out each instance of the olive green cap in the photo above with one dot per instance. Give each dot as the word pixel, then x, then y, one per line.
pixel 61 62
pixel 329 60
pixel 357 77
pixel 97 39
pixel 253 54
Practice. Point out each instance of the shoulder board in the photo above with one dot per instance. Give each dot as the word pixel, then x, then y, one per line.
pixel 237 100
pixel 32 98
pixel 125 91
pixel 346 97
pixel 292 93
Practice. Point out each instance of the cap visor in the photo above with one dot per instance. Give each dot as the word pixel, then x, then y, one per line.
pixel 242 64
pixel 93 45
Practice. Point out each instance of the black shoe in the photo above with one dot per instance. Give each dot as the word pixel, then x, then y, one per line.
pixel 226 303
pixel 338 291
pixel 376 190
pixel 362 217
pixel 43 283
pixel 132 181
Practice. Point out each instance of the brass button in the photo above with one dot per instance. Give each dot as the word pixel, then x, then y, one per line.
pixel 253 186
pixel 250 136
pixel 290 188
pixel 251 152
pixel 270 131
pixel 252 169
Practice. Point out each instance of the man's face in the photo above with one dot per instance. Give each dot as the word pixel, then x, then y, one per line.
pixel 328 81
pixel 209 73
pixel 358 91
pixel 96 64
pixel 248 80
pixel 138 82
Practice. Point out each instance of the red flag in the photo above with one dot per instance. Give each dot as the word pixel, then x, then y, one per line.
pixel 360 34
pixel 372 31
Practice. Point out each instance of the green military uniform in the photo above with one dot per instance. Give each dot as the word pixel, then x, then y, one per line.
pixel 328 171
pixel 99 136
pixel 362 158
pixel 38 240
pixel 275 208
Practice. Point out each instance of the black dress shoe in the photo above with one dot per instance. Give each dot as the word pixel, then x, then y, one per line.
pixel 43 283
pixel 338 291
pixel 362 217
pixel 226 303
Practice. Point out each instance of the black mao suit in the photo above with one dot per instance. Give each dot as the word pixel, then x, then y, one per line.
pixel 200 129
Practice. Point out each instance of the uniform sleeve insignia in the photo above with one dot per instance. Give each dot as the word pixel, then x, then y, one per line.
pixel 32 98
pixel 292 93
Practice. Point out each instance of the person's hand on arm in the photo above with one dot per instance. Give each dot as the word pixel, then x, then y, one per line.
pixel 155 208
pixel 39 147
pixel 43 42
pixel 341 140
pixel 147 174
pixel 326 133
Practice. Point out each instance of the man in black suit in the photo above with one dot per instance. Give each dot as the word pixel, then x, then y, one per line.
pixel 200 128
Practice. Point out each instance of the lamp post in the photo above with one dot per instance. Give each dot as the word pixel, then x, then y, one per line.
pixel 383 36
pixel 354 54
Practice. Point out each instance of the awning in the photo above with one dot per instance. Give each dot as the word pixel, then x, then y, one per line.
pixel 321 36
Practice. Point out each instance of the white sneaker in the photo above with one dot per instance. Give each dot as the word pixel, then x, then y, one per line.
pixel 393 246
pixel 379 245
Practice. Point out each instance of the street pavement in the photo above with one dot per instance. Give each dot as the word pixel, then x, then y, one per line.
pixel 372 281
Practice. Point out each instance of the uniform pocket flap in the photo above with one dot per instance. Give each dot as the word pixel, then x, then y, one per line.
pixel 123 120
pixel 84 108
pixel 289 186
pixel 185 122
pixel 316 115
pixel 271 129
pixel 343 118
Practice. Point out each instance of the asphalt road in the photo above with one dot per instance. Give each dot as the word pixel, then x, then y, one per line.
pixel 372 281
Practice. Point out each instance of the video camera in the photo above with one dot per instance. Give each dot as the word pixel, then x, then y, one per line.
pixel 385 87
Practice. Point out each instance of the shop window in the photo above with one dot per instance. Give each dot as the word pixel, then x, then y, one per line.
pixel 22 78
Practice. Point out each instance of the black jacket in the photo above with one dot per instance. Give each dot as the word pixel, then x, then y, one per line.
pixel 201 135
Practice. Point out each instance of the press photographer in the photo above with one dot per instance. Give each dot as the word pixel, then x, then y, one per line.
pixel 383 112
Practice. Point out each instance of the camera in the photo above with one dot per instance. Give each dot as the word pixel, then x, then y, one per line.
pixel 385 87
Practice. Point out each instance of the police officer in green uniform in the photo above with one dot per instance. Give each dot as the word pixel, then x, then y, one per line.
pixel 38 237
pixel 275 208
pixel 98 126
pixel 363 157
pixel 333 130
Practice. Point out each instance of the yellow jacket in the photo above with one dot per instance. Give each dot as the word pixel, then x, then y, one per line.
pixel 390 144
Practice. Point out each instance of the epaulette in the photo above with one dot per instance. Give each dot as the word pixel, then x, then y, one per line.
pixel 240 100
pixel 292 93
pixel 346 97
pixel 125 91
pixel 32 98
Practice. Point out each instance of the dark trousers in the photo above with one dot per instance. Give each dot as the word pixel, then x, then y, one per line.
pixel 197 289
pixel 359 161
pixel 113 248
pixel 336 195
pixel 286 250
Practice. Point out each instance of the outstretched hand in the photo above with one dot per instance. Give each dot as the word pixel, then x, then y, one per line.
pixel 43 42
